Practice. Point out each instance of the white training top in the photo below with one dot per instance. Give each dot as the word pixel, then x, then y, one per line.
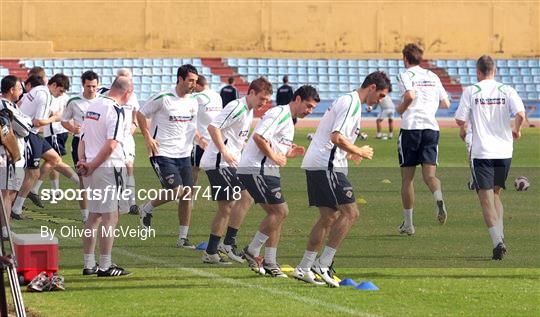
pixel 21 125
pixel 429 92
pixel 234 121
pixel 276 127
pixel 173 123
pixel 103 121
pixel 210 105
pixel 57 105
pixel 487 107
pixel 37 104
pixel 342 116
pixel 76 109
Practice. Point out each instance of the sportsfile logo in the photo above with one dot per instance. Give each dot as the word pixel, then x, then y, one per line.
pixel 92 115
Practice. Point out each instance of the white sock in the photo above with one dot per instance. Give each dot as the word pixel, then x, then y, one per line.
pixel 256 244
pixel 147 207
pixel 130 184
pixel 379 134
pixel 391 134
pixel 496 237
pixel 307 260
pixel 55 184
pixel 17 205
pixel 270 255
pixel 183 231
pixel 327 256
pixel 37 186
pixel 75 179
pixel 84 214
pixel 407 216
pixel 500 226
pixel 89 261
pixel 105 261
pixel 437 195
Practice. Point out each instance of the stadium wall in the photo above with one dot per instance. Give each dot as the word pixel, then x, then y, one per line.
pixel 321 29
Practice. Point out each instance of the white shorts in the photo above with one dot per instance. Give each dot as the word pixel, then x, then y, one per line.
pixel 106 190
pixel 129 149
pixel 11 176
pixel 387 113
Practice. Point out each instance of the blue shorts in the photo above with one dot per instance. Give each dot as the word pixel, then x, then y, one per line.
pixel 196 156
pixel 264 189
pixel 329 189
pixel 172 172
pixel 223 182
pixel 488 173
pixel 35 147
pixel 418 147
pixel 58 142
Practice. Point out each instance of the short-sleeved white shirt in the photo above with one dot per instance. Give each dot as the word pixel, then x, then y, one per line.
pixel 103 121
pixel 76 110
pixel 37 104
pixel 234 121
pixel 210 105
pixel 429 92
pixel 173 123
pixel 487 107
pixel 21 121
pixel 58 105
pixel 342 116
pixel 276 127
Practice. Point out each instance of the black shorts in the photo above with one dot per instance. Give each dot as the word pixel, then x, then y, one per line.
pixel 35 147
pixel 196 156
pixel 418 147
pixel 488 173
pixel 58 142
pixel 264 189
pixel 329 189
pixel 172 172
pixel 74 149
pixel 223 183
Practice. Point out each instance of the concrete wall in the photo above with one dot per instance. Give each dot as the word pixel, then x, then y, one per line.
pixel 331 29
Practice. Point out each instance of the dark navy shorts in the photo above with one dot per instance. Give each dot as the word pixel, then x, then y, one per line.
pixel 488 173
pixel 418 147
pixel 264 189
pixel 223 183
pixel 329 189
pixel 196 156
pixel 58 142
pixel 172 172
pixel 35 147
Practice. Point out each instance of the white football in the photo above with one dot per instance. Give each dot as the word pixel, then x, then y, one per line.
pixel 363 136
pixel 310 136
pixel 521 183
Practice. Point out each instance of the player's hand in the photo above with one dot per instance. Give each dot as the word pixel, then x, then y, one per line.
pixel 366 151
pixel 462 133
pixel 153 146
pixel 280 159
pixel 295 151
pixel 82 168
pixel 516 134
pixel 77 129
pixel 202 143
pixel 357 159
pixel 231 160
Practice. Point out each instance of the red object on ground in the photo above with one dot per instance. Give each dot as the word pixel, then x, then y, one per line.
pixel 35 254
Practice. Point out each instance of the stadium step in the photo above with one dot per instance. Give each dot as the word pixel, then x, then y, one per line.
pixel 218 67
pixel 450 84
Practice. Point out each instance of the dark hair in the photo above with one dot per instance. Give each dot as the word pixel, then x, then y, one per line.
pixel 34 81
pixel 230 80
pixel 184 70
pixel 261 84
pixel 9 82
pixel 307 92
pixel 413 53
pixel 485 64
pixel 60 80
pixel 89 75
pixel 380 80
pixel 286 80
pixel 201 81
pixel 36 70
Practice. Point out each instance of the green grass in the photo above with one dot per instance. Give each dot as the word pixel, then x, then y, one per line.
pixel 442 270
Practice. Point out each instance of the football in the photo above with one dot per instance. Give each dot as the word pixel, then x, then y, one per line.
pixel 521 183
pixel 310 136
pixel 363 136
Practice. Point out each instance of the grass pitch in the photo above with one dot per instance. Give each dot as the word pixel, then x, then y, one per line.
pixel 441 270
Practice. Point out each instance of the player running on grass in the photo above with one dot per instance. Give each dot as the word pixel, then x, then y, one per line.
pixel 326 170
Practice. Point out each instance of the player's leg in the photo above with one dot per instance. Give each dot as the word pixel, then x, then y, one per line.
pixel 130 185
pixel 106 241
pixel 185 204
pixel 407 199
pixel 390 127
pixel 434 185
pixel 502 167
pixel 91 225
pixel 379 128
